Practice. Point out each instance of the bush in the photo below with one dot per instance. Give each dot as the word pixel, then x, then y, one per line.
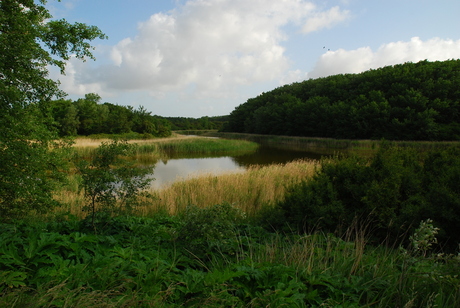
pixel 393 190
pixel 206 230
pixel 111 182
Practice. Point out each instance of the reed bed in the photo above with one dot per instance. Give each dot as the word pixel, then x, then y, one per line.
pixel 249 190
pixel 206 145
pixel 156 149
pixel 328 146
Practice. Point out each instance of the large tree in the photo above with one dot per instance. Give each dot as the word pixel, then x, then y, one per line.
pixel 29 43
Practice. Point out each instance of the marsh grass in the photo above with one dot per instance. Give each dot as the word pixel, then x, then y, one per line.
pixel 249 190
pixel 152 150
pixel 328 146
pixel 200 145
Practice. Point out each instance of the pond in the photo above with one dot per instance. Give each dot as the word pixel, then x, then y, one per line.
pixel 178 168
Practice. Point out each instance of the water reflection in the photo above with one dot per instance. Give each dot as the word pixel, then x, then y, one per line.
pixel 266 156
pixel 172 170
pixel 178 167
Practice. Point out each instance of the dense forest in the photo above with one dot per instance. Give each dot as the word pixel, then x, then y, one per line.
pixel 181 123
pixel 86 116
pixel 410 101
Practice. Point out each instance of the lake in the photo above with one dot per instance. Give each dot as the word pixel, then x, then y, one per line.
pixel 178 168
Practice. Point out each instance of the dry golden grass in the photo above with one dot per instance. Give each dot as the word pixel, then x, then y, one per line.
pixel 88 142
pixel 85 146
pixel 248 190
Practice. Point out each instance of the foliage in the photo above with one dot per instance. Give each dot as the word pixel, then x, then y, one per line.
pixel 203 123
pixel 139 262
pixel 29 42
pixel 30 172
pixel 110 181
pixel 206 230
pixel 87 116
pixel 424 237
pixel 410 101
pixel 393 190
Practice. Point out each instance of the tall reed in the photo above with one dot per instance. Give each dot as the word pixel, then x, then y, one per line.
pixel 249 190
pixel 156 149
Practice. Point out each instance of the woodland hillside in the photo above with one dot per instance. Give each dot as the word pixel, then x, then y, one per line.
pixel 410 101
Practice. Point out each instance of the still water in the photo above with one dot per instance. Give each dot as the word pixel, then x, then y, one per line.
pixel 175 169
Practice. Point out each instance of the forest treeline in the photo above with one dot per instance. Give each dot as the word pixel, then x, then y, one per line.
pixel 88 116
pixel 182 123
pixel 410 101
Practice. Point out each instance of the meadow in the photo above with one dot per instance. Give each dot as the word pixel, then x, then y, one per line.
pixel 221 241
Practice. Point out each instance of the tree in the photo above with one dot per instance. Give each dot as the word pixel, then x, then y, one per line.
pixel 111 182
pixel 119 119
pixel 29 43
pixel 65 115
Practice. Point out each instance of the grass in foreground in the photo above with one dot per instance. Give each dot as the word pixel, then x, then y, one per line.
pixel 211 258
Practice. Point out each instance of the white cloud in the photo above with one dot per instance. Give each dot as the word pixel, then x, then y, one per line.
pixel 327 19
pixel 211 46
pixel 355 61
pixel 71 83
pixel 293 76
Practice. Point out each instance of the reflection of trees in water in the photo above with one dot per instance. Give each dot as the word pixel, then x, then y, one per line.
pixel 269 155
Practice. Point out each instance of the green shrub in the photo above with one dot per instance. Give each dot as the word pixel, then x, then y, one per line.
pixel 211 229
pixel 393 191
pixel 111 181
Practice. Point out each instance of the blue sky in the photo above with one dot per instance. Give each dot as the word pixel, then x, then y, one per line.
pixel 193 58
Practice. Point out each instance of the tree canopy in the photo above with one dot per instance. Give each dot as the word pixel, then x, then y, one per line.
pixel 88 116
pixel 410 101
pixel 30 42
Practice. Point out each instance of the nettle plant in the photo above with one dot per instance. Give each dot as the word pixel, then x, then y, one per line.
pixel 111 180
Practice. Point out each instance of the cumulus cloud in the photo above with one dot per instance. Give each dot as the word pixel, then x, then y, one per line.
pixel 355 61
pixel 72 83
pixel 293 76
pixel 326 19
pixel 210 45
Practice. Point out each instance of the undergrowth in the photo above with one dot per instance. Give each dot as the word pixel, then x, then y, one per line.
pixel 214 257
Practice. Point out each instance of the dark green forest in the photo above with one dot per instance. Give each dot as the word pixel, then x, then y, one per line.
pixel 87 116
pixel 182 123
pixel 410 101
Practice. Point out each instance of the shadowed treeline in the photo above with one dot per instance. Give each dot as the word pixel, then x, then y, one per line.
pixel 411 101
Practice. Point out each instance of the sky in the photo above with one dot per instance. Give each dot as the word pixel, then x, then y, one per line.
pixel 194 58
